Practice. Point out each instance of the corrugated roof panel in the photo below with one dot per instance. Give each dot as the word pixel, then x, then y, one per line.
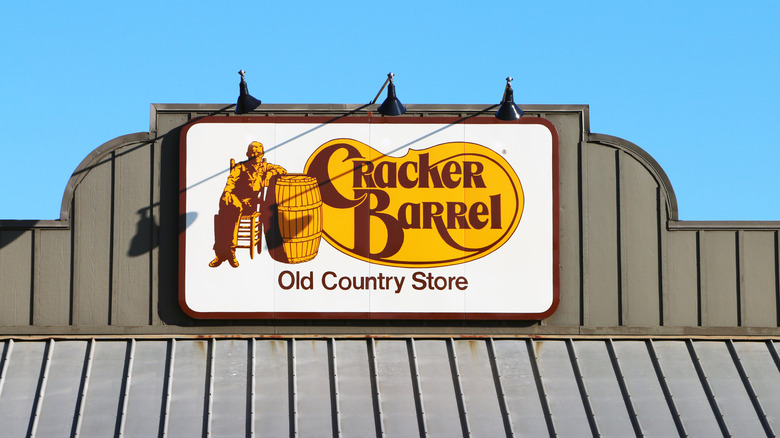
pixel 604 394
pixel 22 372
pixel 231 388
pixel 566 408
pixel 387 387
pixel 272 388
pixel 356 401
pixel 479 388
pixel 764 378
pixel 438 393
pixel 187 414
pixel 399 407
pixel 523 400
pixel 62 388
pixel 312 372
pixel 103 402
pixel 761 368
pixel 646 395
pixel 146 395
pixel 728 389
pixel 686 389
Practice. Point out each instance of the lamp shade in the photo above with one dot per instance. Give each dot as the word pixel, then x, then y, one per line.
pixel 508 110
pixel 391 106
pixel 246 102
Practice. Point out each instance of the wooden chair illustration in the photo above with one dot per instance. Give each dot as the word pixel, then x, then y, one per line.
pixel 249 229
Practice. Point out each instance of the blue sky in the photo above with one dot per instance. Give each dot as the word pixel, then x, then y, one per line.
pixel 693 83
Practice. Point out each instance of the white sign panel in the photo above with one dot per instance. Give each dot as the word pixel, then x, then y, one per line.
pixel 369 217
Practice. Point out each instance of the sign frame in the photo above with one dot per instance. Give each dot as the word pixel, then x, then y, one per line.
pixel 367 315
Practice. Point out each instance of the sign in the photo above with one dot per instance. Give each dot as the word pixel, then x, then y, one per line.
pixel 362 217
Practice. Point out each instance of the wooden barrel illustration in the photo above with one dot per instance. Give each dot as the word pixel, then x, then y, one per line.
pixel 300 216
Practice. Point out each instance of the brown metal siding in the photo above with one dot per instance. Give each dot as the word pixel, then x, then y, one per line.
pixel 627 264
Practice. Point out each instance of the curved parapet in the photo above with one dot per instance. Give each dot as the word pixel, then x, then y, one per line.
pixel 648 162
pixel 90 161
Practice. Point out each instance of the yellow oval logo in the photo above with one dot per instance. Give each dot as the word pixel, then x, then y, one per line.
pixel 444 205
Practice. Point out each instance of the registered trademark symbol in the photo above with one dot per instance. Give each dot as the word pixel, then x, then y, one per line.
pixel 503 151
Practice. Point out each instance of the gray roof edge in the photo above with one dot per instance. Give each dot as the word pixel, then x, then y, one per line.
pixel 333 107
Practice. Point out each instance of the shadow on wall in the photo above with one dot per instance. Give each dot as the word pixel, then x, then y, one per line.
pixel 8 236
pixel 147 231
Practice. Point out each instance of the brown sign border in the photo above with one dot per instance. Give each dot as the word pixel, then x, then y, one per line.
pixel 368 118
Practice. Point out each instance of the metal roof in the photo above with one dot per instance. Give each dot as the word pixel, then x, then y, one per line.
pixel 388 387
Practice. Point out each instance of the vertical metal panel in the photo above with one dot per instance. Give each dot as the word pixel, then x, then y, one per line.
pixel 395 384
pixel 639 244
pixel 719 282
pixel 84 387
pixel 41 392
pixel 133 230
pixel 314 397
pixel 500 389
pixel 647 398
pixel 52 278
pixel 375 392
pixel 419 402
pixel 603 391
pixel 354 388
pixel 92 245
pixel 728 389
pixel 252 381
pixel 146 401
pixel 662 381
pixel 165 255
pixel 293 392
pixel 601 257
pixel 523 399
pixel 126 382
pixel 564 398
pixel 188 395
pixel 761 369
pixel 168 384
pixel 272 402
pixel 750 388
pixel 208 410
pixel 681 305
pixel 154 215
pixel 479 388
pixel 581 387
pixel 59 410
pixel 230 388
pixel 759 295
pixel 663 253
pixel 569 139
pixel 22 369
pixel 5 358
pixel 704 380
pixel 16 274
pixel 334 388
pixel 103 399
pixel 436 385
pixel 463 412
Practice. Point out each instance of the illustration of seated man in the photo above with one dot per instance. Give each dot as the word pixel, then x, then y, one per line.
pixel 240 198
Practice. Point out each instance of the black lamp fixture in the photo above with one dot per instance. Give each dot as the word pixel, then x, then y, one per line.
pixel 508 110
pixel 391 106
pixel 246 102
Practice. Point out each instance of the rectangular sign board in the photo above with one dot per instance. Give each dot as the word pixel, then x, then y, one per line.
pixel 362 217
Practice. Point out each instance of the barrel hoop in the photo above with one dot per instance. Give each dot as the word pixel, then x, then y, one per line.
pixel 302 239
pixel 299 207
